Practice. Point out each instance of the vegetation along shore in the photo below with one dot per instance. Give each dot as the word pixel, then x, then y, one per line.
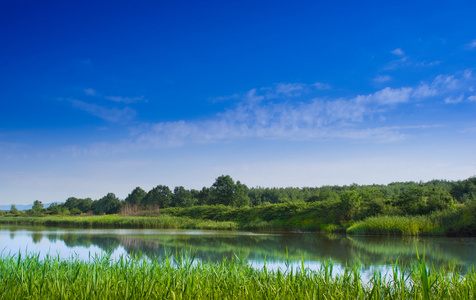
pixel 436 207
pixel 180 277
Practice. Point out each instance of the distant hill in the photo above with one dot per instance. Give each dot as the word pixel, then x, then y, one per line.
pixel 23 207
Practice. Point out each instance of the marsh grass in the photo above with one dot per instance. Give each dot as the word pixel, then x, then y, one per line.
pixel 136 278
pixel 395 225
pixel 116 221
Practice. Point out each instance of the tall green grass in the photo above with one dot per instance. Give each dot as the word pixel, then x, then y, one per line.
pixel 101 278
pixel 395 225
pixel 115 221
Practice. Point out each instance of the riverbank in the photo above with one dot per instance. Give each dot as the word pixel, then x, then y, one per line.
pixel 183 278
pixel 291 217
pixel 115 221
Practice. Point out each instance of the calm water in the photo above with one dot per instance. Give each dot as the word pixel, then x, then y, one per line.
pixel 369 253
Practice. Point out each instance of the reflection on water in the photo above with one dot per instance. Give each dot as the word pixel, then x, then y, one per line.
pixel 277 249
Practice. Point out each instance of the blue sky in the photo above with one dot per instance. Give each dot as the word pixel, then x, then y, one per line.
pixel 104 96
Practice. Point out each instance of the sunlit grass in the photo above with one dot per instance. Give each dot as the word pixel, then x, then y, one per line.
pixel 101 278
pixel 115 221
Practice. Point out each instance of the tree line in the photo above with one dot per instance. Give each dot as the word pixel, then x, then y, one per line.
pixel 359 201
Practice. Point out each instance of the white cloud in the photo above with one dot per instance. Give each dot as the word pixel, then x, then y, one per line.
pixel 290 89
pixel 321 86
pixel 446 82
pixel 382 78
pixel 453 99
pixel 471 45
pixel 225 98
pixel 90 92
pixel 311 120
pixel 398 52
pixel 109 114
pixel 126 100
pixel 424 90
pixel 472 98
pixel 429 64
pixel 389 96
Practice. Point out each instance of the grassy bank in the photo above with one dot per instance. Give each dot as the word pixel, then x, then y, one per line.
pixel 51 278
pixel 302 216
pixel 114 221
pixel 459 221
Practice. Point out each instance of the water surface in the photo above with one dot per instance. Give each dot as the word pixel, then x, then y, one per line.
pixel 276 250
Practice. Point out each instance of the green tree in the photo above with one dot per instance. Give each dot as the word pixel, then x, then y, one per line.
pixel 222 191
pixel 108 204
pixel 84 205
pixel 135 197
pixel 349 202
pixel 37 206
pixel 160 195
pixel 439 199
pixel 412 201
pixel 14 210
pixel 182 197
pixel 241 195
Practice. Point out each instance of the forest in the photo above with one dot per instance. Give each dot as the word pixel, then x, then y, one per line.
pixel 433 207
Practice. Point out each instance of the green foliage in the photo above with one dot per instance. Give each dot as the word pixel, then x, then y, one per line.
pixel 465 190
pixel 395 225
pixel 222 191
pixel 180 277
pixel 13 210
pixel 160 195
pixel 108 204
pixel 84 205
pixel 290 208
pixel 135 197
pixel 183 197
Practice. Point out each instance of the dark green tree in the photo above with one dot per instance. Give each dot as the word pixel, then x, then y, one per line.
pixel 412 201
pixel 84 205
pixel 108 204
pixel 37 206
pixel 13 210
pixel 222 191
pixel 439 199
pixel 135 197
pixel 349 202
pixel 241 195
pixel 182 197
pixel 160 195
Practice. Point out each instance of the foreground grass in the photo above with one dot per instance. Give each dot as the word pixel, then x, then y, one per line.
pixel 52 278
pixel 115 221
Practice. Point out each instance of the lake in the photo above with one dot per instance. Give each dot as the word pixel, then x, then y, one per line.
pixel 276 250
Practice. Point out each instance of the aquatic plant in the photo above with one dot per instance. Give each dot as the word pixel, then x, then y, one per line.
pixel 179 276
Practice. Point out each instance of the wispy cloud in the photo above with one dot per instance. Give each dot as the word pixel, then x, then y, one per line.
pixel 314 119
pixel 126 100
pixel 471 45
pixel 382 78
pixel 321 86
pixel 274 113
pixel 454 100
pixel 394 64
pixel 109 114
pixel 90 92
pixel 225 98
pixel 472 98
pixel 398 52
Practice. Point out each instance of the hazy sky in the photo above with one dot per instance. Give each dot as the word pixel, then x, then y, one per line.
pixel 103 96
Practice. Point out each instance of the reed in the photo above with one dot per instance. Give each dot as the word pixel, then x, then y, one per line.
pixel 179 276
pixel 115 221
pixel 395 225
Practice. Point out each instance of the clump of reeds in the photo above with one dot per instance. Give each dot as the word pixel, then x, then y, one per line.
pixel 395 225
pixel 181 277
pixel 116 221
